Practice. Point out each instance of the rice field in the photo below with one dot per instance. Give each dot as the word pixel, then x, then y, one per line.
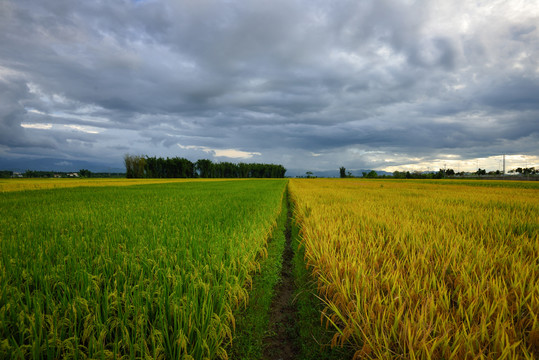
pixel 148 271
pixel 7 185
pixel 424 270
pixel 97 269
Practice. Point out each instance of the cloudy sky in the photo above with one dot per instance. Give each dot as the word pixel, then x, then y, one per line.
pixel 310 84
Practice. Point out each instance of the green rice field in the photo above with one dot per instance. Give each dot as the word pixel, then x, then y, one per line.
pixel 145 271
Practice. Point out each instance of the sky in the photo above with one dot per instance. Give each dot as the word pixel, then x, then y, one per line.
pixel 309 84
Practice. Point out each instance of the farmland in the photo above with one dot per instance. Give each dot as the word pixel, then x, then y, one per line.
pixel 424 270
pixel 139 271
pixel 178 268
pixel 7 185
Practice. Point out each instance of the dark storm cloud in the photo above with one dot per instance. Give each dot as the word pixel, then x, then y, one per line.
pixel 512 94
pixel 300 82
pixel 10 113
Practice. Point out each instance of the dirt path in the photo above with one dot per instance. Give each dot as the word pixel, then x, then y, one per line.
pixel 281 342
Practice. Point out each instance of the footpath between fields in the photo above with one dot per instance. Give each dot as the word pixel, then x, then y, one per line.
pixel 282 320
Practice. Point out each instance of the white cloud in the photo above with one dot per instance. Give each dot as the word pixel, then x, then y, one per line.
pixel 84 129
pixel 230 153
pixel 39 126
pixel 6 73
pixel 235 154
pixel 82 113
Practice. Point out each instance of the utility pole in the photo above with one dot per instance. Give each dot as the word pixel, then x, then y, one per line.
pixel 503 164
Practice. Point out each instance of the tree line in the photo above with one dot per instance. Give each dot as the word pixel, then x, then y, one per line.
pixel 82 173
pixel 525 171
pixel 441 174
pixel 153 167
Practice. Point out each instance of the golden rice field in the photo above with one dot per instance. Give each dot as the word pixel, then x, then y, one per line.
pixel 424 270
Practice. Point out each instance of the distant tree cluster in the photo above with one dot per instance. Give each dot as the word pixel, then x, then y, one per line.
pixel 525 171
pixel 82 173
pixel 85 173
pixel 371 174
pixel 49 174
pixel 343 173
pixel 153 167
pixel 38 174
pixel 5 174
pixel 441 174
pixel 480 172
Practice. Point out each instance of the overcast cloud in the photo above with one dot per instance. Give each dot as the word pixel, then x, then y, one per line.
pixel 308 84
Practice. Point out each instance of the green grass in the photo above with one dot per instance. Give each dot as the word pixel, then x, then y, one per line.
pixel 142 271
pixel 252 321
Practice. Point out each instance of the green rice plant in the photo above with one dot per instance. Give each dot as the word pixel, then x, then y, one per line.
pixel 423 270
pixel 150 271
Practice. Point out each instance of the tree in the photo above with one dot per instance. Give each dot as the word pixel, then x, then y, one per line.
pixel 399 174
pixel 6 174
pixel 139 166
pixel 342 171
pixel 309 174
pixel 524 171
pixel 85 173
pixel 371 174
pixel 243 170
pixel 134 166
pixel 128 161
pixel 481 172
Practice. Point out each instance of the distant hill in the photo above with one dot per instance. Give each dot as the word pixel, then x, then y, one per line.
pixel 52 164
